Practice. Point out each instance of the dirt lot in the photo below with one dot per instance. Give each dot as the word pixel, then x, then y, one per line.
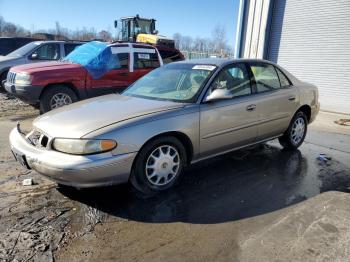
pixel 259 204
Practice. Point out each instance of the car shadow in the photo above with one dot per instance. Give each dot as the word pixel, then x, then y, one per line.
pixel 239 185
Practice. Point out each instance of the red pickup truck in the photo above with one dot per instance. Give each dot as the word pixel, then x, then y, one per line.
pixel 54 84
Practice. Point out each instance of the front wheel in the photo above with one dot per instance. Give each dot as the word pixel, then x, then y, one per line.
pixel 296 132
pixel 158 165
pixel 55 97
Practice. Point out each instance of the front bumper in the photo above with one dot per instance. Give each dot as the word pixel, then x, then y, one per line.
pixel 27 93
pixel 73 170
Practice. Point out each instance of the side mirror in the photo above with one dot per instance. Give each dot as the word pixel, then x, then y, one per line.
pixel 218 94
pixel 115 23
pixel 34 56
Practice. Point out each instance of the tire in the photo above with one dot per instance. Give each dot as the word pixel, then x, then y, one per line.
pixel 64 94
pixel 295 134
pixel 145 179
pixel 2 78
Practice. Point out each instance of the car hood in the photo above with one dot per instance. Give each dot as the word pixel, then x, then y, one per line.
pixel 45 67
pixel 8 61
pixel 6 58
pixel 78 119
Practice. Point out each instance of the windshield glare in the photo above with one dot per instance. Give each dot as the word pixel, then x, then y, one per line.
pixel 176 82
pixel 22 51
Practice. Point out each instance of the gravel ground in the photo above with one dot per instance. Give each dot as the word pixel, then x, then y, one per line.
pixel 11 106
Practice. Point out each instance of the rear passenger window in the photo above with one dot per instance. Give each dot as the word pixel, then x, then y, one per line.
pixel 146 60
pixel 122 61
pixel 265 77
pixel 283 79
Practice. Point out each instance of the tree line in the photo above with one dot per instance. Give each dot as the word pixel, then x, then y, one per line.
pixel 216 44
pixel 8 29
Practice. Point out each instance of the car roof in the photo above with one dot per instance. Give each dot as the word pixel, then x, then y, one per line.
pixel 220 61
pixel 59 41
pixel 138 44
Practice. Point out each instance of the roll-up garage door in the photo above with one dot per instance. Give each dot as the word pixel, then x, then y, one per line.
pixel 311 39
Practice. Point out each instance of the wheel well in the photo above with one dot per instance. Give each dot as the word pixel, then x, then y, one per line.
pixel 184 139
pixel 4 73
pixel 69 85
pixel 306 109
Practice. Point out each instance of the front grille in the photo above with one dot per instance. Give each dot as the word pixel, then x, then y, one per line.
pixel 11 76
pixel 38 139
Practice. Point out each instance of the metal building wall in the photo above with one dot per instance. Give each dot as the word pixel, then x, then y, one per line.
pixel 255 21
pixel 311 39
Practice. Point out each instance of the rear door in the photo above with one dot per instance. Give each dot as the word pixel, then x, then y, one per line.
pixel 229 123
pixel 115 80
pixel 276 99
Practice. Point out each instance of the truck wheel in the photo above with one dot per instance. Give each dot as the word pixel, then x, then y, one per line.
pixel 55 97
pixel 296 132
pixel 158 165
pixel 2 78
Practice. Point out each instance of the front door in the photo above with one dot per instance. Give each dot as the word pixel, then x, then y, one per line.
pixel 228 123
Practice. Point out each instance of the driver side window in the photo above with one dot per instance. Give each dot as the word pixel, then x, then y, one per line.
pixel 234 81
pixel 47 52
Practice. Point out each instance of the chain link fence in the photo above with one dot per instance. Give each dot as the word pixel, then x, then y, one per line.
pixel 197 55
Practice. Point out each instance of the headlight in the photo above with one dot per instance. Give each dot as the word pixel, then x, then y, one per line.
pixel 83 146
pixel 22 79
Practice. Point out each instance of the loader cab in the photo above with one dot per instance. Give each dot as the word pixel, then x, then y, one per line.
pixel 134 25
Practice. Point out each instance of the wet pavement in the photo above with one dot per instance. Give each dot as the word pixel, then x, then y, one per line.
pixel 256 204
pixel 243 184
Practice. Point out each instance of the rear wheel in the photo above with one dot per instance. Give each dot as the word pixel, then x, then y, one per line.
pixel 296 132
pixel 55 97
pixel 158 165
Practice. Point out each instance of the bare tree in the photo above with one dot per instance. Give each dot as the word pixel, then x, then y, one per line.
pixel 58 29
pixel 219 38
pixel 105 35
pixel 187 42
pixel 10 29
pixel 2 23
pixel 216 44
pixel 178 39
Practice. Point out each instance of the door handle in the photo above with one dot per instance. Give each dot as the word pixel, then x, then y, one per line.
pixel 291 98
pixel 251 107
pixel 123 74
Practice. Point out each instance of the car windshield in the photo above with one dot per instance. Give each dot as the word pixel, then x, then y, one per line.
pixel 175 82
pixel 22 51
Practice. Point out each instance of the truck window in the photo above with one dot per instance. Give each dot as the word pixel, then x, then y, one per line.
pixel 122 61
pixel 145 60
